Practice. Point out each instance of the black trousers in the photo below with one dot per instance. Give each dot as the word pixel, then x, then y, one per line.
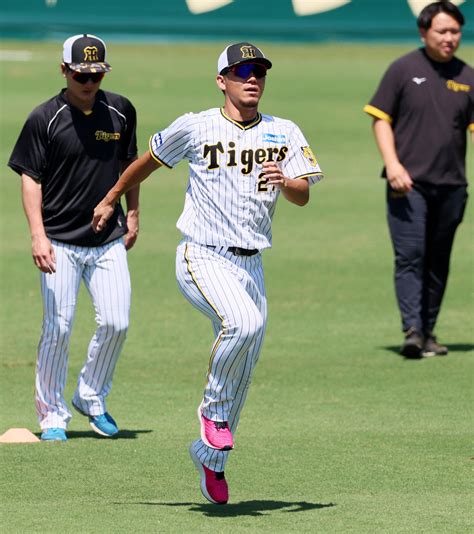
pixel 422 226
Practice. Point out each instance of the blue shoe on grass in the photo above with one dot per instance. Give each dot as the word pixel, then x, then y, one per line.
pixel 104 424
pixel 54 434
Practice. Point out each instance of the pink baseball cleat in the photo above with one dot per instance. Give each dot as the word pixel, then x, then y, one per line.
pixel 215 434
pixel 213 484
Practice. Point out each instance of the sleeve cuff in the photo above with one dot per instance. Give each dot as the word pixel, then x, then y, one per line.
pixel 312 177
pixel 21 170
pixel 160 161
pixel 377 113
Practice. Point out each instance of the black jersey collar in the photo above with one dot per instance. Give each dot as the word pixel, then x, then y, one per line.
pixel 251 124
pixel 98 97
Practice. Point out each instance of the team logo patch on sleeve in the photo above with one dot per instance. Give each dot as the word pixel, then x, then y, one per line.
pixel 274 138
pixel 156 141
pixel 308 154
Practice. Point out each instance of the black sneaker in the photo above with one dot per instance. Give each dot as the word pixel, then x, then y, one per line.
pixel 413 344
pixel 432 347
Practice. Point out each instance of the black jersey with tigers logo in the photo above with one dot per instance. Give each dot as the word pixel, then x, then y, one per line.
pixel 430 105
pixel 76 158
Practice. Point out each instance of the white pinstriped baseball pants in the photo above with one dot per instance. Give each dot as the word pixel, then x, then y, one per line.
pixel 230 290
pixel 105 273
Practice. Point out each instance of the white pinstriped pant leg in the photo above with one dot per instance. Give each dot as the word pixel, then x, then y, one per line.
pixel 107 279
pixel 211 458
pixel 230 290
pixel 59 291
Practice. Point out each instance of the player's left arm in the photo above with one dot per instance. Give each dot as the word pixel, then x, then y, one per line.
pixel 133 212
pixel 296 169
pixel 295 190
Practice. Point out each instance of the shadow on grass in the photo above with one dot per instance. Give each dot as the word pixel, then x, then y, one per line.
pixel 122 434
pixel 245 508
pixel 453 347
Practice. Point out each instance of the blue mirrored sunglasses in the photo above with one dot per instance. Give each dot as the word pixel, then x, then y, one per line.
pixel 245 69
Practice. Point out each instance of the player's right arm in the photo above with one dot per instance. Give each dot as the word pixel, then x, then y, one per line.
pixel 41 247
pixel 135 173
pixel 383 109
pixel 397 175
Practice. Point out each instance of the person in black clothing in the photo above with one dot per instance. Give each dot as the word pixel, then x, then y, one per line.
pixel 422 109
pixel 70 152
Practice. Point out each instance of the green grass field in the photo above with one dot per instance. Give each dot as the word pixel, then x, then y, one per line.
pixel 339 434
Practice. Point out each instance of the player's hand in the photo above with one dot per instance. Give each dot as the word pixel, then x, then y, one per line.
pixel 295 191
pixel 102 213
pixel 132 224
pixel 43 254
pixel 274 175
pixel 398 178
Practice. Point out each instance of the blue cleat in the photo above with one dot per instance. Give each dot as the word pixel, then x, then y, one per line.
pixel 54 434
pixel 103 424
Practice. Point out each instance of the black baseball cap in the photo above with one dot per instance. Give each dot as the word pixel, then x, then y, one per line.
pixel 235 54
pixel 85 53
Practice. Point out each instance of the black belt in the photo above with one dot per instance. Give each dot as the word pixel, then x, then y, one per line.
pixel 238 251
pixel 242 251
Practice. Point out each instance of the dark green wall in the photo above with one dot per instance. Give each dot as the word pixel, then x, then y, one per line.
pixel 242 19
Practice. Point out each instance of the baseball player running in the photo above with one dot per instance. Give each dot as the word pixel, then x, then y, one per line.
pixel 71 150
pixel 240 161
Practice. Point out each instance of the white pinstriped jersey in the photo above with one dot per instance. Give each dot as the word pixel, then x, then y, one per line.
pixel 228 202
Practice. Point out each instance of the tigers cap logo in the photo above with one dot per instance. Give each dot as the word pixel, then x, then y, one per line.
pixel 248 52
pixel 91 53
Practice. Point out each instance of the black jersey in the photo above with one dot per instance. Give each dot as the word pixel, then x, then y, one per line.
pixel 430 105
pixel 76 158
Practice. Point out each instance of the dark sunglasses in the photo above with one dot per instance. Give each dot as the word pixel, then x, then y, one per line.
pixel 245 69
pixel 84 77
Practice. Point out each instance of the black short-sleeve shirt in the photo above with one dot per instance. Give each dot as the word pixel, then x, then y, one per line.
pixel 76 158
pixel 430 106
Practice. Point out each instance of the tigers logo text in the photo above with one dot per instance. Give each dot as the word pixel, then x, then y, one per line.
pixel 107 136
pixel 247 158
